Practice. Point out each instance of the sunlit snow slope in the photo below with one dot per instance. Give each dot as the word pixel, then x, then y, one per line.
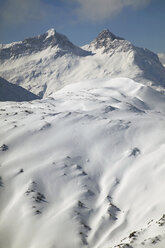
pixel 48 62
pixel 84 168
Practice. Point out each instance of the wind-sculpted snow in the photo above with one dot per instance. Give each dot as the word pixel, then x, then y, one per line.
pixel 84 168
pixel 46 63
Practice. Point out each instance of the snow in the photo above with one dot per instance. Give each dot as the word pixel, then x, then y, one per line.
pixel 162 58
pixel 84 167
pixel 50 32
pixel 46 63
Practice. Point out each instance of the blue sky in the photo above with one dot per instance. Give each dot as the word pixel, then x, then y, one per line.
pixel 140 21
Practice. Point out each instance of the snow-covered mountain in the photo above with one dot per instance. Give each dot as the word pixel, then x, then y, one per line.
pixel 84 168
pixel 12 92
pixel 127 60
pixel 39 43
pixel 48 62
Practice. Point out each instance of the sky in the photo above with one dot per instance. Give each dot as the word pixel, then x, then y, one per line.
pixel 140 21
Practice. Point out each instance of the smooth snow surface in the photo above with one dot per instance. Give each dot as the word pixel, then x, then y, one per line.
pixel 46 63
pixel 84 168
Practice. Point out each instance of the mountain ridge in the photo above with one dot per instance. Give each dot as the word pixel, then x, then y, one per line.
pixel 46 63
pixel 38 43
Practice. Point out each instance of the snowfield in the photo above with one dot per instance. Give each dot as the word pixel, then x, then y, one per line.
pixel 84 168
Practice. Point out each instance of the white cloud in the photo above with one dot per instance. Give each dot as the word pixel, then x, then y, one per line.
pixel 20 11
pixel 98 10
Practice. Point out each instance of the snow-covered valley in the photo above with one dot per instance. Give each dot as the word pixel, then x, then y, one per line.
pixel 84 168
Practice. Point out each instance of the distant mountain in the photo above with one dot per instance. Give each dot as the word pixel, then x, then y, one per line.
pixel 48 62
pixel 138 63
pixel 105 41
pixel 39 43
pixel 12 92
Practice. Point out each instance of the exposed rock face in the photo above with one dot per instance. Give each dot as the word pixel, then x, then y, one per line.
pixel 105 39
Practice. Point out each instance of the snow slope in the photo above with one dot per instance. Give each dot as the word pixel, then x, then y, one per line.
pixel 48 62
pixel 84 168
pixel 12 92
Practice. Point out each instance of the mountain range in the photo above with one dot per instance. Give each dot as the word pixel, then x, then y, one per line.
pixel 46 63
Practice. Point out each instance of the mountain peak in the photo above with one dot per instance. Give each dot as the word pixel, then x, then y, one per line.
pixel 106 34
pixel 105 39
